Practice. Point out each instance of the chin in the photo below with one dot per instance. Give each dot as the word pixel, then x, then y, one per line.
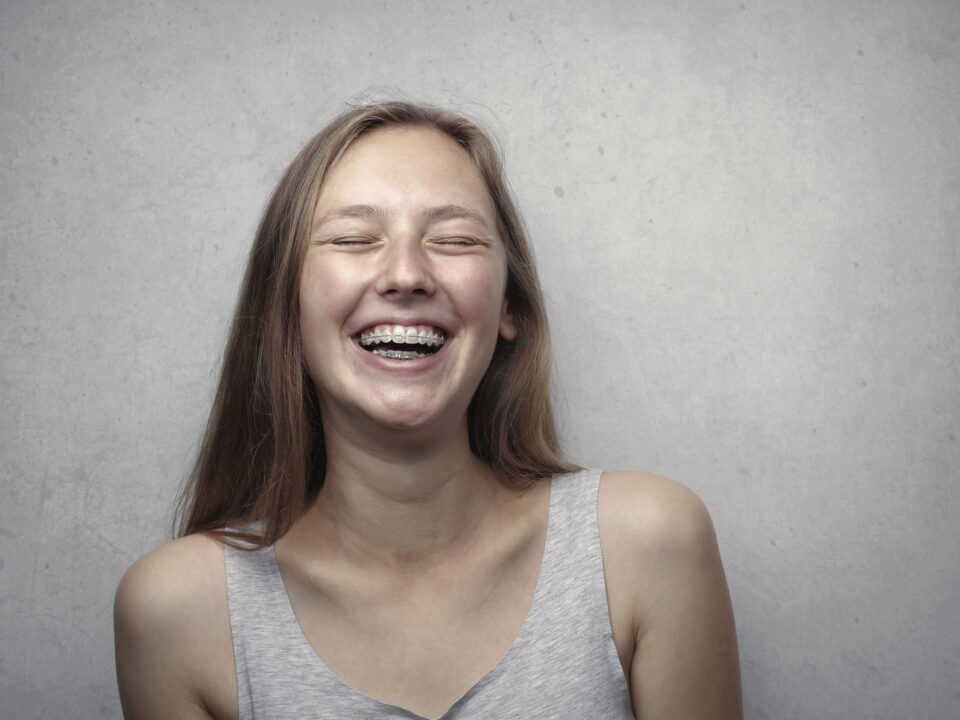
pixel 405 419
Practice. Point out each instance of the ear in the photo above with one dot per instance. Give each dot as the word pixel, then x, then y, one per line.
pixel 508 328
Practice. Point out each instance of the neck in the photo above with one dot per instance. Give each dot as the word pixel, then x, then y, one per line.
pixel 403 507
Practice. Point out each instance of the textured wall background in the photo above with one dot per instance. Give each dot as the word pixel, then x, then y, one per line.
pixel 746 215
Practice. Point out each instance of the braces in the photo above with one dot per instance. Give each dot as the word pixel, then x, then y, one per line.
pixel 399 354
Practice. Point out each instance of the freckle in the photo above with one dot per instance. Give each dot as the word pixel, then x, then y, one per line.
pixel 600 149
pixel 558 191
pixel 860 52
pixel 55 160
pixel 603 115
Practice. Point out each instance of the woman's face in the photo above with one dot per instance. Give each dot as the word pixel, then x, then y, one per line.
pixel 402 289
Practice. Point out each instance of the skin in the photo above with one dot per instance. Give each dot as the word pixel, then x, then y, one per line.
pixel 409 525
pixel 395 433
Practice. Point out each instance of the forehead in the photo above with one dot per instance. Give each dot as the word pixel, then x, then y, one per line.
pixel 398 166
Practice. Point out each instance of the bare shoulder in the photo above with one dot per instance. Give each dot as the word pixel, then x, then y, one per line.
pixel 172 633
pixel 666 580
pixel 178 575
pixel 653 509
pixel 659 536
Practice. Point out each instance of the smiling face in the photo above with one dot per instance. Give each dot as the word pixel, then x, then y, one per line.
pixel 402 288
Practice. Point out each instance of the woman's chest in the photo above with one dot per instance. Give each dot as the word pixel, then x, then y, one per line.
pixel 423 646
pixel 421 658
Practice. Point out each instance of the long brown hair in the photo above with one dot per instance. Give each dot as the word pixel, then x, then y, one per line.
pixel 262 457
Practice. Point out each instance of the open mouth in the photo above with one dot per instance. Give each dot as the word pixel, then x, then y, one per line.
pixel 402 342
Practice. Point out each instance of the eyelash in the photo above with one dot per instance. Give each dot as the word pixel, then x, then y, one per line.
pixel 356 240
pixel 351 240
pixel 457 240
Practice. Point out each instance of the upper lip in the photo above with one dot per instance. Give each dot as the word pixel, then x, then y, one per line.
pixel 408 322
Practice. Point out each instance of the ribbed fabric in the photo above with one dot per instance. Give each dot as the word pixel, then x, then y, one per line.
pixel 562 664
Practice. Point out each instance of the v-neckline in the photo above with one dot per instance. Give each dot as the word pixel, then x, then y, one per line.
pixel 536 601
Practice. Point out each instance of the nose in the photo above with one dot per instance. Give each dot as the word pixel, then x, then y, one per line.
pixel 406 269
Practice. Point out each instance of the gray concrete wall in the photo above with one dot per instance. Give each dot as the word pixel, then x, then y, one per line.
pixel 746 216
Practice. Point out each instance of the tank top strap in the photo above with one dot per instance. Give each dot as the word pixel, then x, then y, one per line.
pixel 564 662
pixel 571 575
pixel 271 655
pixel 572 557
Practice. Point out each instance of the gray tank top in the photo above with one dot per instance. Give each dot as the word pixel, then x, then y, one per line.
pixel 562 664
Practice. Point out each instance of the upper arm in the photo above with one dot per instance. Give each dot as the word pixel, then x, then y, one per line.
pixel 685 660
pixel 172 634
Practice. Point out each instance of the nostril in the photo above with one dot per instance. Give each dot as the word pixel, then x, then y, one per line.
pixel 393 286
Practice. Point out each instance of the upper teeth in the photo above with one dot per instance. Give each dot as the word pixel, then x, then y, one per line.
pixel 409 334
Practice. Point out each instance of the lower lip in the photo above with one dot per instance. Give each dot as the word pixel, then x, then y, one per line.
pixel 403 367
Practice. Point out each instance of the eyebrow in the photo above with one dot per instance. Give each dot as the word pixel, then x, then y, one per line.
pixel 354 212
pixel 375 212
pixel 455 212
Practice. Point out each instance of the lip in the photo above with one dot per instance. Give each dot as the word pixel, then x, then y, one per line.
pixel 409 321
pixel 402 367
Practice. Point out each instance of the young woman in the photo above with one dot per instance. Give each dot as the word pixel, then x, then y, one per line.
pixel 380 524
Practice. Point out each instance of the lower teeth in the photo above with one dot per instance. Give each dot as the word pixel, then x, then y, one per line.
pixel 399 354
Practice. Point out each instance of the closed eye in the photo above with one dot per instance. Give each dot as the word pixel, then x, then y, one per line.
pixel 352 240
pixel 459 240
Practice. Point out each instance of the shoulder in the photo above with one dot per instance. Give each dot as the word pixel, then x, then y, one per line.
pixel 667 587
pixel 189 561
pixel 172 586
pixel 653 512
pixel 172 631
pixel 658 540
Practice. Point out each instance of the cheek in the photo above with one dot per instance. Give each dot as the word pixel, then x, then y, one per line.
pixel 325 295
pixel 482 291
